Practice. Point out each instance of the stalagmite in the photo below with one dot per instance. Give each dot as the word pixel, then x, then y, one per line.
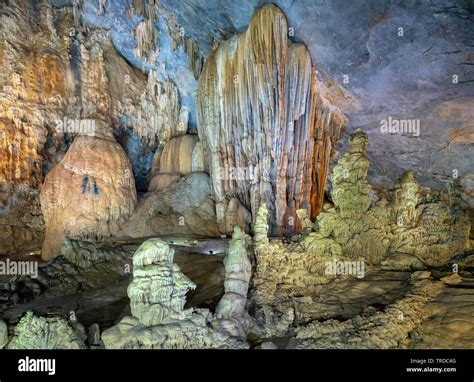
pixel 230 312
pixel 258 107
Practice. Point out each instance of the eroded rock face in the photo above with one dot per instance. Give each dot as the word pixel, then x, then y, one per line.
pixel 55 71
pixel 90 193
pixel 159 320
pixel 264 128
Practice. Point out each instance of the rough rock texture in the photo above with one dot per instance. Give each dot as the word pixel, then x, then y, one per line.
pixel 3 334
pixel 434 228
pixel 159 320
pixel 184 206
pixel 56 70
pixel 285 270
pixel 382 330
pixel 230 312
pixel 45 333
pixel 451 310
pixel 158 290
pixel 260 115
pixel 90 193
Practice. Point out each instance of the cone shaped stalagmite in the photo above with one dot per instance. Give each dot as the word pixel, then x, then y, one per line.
pixel 259 112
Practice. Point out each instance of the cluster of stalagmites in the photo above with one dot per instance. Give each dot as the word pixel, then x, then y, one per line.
pixel 357 230
pixel 157 300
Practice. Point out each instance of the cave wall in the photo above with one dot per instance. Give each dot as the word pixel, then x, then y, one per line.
pixel 56 74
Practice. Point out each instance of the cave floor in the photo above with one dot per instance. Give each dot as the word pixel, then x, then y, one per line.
pixel 449 314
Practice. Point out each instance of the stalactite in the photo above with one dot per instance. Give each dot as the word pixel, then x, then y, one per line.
pixel 195 58
pixel 258 107
pixel 160 116
pixel 145 33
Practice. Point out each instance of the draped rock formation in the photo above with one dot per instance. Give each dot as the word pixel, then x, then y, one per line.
pixel 266 131
pixel 90 193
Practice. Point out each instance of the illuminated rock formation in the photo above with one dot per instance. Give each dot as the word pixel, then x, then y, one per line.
pixel 52 71
pixel 259 109
pixel 284 270
pixel 90 193
pixel 159 320
pixel 158 290
pixel 407 233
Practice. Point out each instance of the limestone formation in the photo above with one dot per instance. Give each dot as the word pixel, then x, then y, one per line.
pixel 157 296
pixel 45 333
pixel 260 113
pixel 160 116
pixel 284 270
pixel 231 314
pixel 90 193
pixel 54 72
pixel 158 290
pixel 305 221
